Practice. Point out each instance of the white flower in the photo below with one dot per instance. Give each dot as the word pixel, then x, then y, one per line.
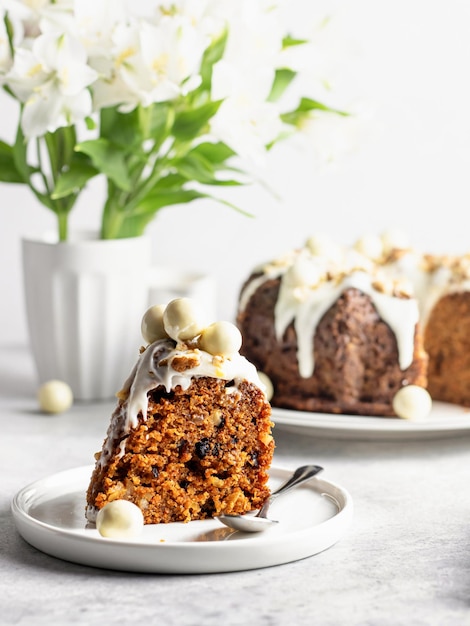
pixel 39 16
pixel 255 32
pixel 331 137
pixel 95 22
pixel 245 121
pixel 150 63
pixel 6 59
pixel 70 59
pixel 52 80
pixel 247 127
pixel 202 14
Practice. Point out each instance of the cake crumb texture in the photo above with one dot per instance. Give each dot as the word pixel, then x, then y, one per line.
pixel 355 353
pixel 199 453
pixel 447 341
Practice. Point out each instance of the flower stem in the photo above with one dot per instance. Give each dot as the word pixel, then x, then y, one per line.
pixel 63 225
pixel 113 217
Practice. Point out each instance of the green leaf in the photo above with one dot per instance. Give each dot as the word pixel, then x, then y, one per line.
pixel 120 129
pixel 19 155
pixel 8 170
pixel 157 199
pixel 10 33
pixel 129 130
pixel 25 171
pixel 61 147
pixel 211 56
pixel 90 123
pixel 172 181
pixel 108 159
pixel 189 124
pixel 216 153
pixel 227 182
pixel 305 107
pixel 73 180
pixel 160 121
pixel 282 79
pixel 136 223
pixel 195 167
pixel 290 41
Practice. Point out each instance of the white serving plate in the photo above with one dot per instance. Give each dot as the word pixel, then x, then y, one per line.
pixel 50 515
pixel 445 420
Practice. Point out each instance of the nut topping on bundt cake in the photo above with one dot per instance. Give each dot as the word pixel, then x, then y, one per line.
pixel 191 435
pixel 333 328
pixel 343 329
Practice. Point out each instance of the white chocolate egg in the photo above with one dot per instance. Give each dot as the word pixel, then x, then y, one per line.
pixel 304 273
pixel 55 396
pixel 120 519
pixel 319 244
pixel 182 319
pixel 322 245
pixel 394 238
pixel 221 338
pixel 152 327
pixel 269 389
pixel 412 402
pixel 370 246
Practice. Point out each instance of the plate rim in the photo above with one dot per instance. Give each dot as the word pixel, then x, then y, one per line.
pixel 38 533
pixel 383 427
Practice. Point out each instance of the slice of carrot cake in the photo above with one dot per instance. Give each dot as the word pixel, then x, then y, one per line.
pixel 190 437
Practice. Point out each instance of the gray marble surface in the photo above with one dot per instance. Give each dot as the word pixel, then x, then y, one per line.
pixel 405 560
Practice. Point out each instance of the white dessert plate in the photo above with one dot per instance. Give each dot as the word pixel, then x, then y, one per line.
pixel 445 420
pixel 49 514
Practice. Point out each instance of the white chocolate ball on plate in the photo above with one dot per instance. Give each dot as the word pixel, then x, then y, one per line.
pixel 55 396
pixel 182 319
pixel 120 519
pixel 152 327
pixel 221 338
pixel 412 402
pixel 269 389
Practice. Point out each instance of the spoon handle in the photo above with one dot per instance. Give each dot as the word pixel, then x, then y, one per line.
pixel 301 475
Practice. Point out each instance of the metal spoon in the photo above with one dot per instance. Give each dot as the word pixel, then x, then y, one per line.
pixel 258 522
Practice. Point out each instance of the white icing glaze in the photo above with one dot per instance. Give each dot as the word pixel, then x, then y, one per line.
pixel 429 286
pixel 306 293
pixel 253 285
pixel 154 369
pixel 305 304
pixel 401 314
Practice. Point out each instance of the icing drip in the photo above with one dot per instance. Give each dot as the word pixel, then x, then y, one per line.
pixel 430 284
pixel 315 276
pixel 401 314
pixel 154 369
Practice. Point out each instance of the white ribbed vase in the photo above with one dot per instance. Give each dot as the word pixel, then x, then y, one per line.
pixel 84 303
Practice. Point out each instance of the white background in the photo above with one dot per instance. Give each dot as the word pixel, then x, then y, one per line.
pixel 405 65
